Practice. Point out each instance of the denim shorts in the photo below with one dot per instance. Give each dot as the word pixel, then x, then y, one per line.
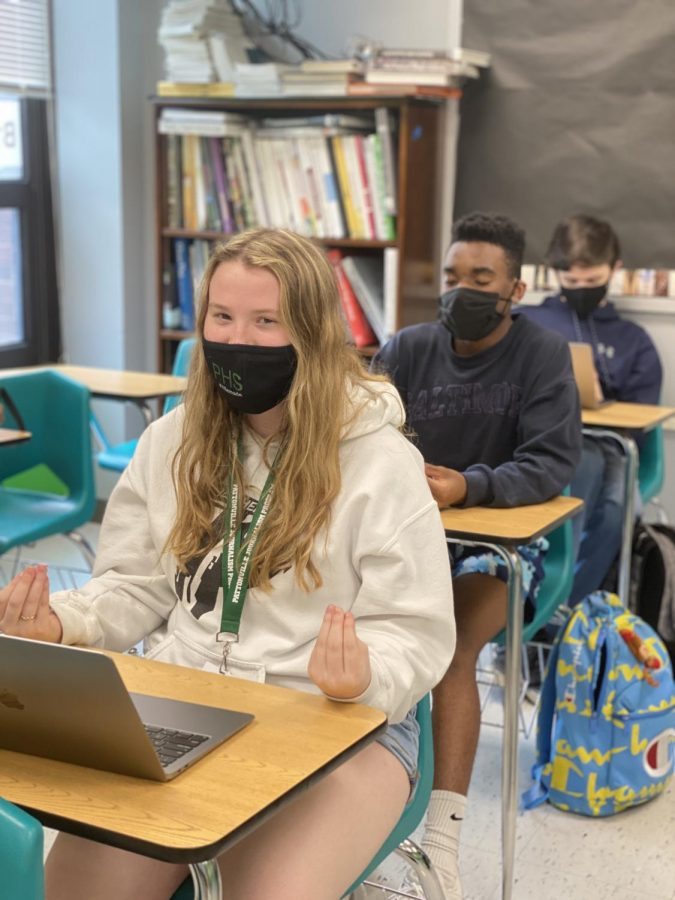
pixel 403 740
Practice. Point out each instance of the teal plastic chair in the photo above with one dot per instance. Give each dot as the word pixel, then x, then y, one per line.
pixel 21 854
pixel 651 469
pixel 55 410
pixel 410 819
pixel 115 457
pixel 556 585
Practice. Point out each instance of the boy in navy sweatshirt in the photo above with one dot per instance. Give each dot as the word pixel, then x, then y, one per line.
pixel 494 408
pixel 584 252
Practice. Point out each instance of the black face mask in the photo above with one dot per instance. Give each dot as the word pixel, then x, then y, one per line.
pixel 254 379
pixel 584 300
pixel 470 315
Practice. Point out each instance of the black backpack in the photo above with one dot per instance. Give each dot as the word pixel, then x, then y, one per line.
pixel 652 582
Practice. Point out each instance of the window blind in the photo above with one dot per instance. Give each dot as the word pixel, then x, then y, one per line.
pixel 24 47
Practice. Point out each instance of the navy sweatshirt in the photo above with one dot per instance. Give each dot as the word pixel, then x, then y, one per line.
pixel 508 418
pixel 628 365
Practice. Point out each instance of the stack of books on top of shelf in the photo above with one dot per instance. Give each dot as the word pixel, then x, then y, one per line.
pixel 259 79
pixel 330 176
pixel 202 41
pixel 322 77
pixel 430 72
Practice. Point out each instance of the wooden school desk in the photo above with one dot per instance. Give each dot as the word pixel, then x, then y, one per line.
pixel 614 422
pixel 294 741
pixel 111 384
pixel 502 530
pixel 11 436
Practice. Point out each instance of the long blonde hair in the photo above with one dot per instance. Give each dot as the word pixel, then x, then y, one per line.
pixel 317 410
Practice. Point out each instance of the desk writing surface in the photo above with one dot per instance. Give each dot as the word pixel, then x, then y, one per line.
pixel 518 525
pixel 630 416
pixel 219 799
pixel 12 436
pixel 115 383
pixel 132 385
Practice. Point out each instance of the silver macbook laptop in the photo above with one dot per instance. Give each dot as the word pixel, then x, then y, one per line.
pixel 71 704
pixel 586 377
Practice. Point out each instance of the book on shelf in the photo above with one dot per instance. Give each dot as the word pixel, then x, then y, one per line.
pixel 321 66
pixel 303 85
pixel 190 89
pixel 324 120
pixel 418 77
pixel 390 281
pixel 460 54
pixel 324 182
pixel 184 283
pixel 361 332
pixel 385 131
pixel 204 124
pixel 366 89
pixel 174 190
pixel 366 276
pixel 366 195
pixel 339 160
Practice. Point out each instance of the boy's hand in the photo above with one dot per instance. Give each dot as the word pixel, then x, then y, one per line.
pixel 448 487
pixel 25 610
pixel 340 662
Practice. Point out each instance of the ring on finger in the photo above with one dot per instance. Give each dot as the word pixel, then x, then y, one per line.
pixel 27 618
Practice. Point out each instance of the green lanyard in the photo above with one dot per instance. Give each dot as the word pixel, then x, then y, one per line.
pixel 236 567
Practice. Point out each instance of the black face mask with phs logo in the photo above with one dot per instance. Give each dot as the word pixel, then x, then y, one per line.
pixel 253 379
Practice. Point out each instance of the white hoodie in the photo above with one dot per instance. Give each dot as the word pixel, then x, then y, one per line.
pixel 385 559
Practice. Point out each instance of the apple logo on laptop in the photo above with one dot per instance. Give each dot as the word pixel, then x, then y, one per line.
pixel 10 700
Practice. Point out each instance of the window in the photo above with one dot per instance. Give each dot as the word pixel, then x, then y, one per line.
pixel 29 331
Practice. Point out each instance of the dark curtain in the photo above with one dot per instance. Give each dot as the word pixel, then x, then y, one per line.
pixel 576 114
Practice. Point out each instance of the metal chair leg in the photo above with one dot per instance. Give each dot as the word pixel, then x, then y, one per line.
pixel 84 547
pixel 206 880
pixel 423 870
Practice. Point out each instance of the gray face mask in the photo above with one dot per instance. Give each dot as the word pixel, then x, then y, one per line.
pixel 470 315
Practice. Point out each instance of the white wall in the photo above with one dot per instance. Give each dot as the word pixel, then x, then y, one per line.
pixel 434 24
pixel 106 64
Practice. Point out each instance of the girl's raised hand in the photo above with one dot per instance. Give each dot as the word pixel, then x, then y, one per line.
pixel 25 610
pixel 340 662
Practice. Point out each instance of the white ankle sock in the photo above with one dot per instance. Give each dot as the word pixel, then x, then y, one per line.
pixel 441 838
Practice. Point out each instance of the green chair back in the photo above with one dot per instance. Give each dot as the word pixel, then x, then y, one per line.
pixel 21 854
pixel 55 410
pixel 651 470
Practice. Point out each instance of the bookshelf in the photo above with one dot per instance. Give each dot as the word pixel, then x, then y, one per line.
pixel 417 129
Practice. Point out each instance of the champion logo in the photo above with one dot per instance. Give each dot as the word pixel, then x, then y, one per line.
pixel 658 757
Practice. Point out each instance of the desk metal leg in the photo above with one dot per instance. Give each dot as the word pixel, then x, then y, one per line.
pixel 514 637
pixel 146 411
pixel 206 880
pixel 629 449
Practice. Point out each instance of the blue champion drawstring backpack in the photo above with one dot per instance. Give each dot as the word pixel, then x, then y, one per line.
pixel 606 726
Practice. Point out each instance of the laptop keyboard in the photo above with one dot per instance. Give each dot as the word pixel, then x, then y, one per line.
pixel 172 745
